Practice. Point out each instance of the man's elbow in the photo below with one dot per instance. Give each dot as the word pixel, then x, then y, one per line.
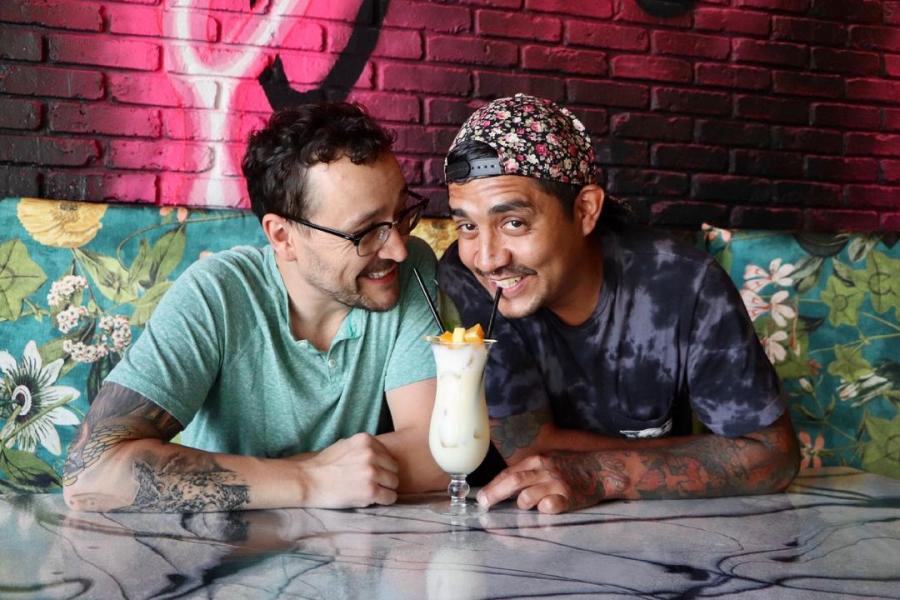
pixel 785 453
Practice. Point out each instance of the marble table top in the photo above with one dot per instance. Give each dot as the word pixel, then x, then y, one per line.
pixel 836 534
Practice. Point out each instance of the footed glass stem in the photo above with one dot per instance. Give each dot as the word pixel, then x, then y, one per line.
pixel 459 504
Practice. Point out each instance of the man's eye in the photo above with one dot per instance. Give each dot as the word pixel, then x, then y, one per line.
pixel 514 225
pixel 465 227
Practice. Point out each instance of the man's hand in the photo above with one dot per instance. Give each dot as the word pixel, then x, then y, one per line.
pixel 354 472
pixel 556 483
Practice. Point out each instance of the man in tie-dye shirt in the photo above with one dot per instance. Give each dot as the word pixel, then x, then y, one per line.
pixel 608 337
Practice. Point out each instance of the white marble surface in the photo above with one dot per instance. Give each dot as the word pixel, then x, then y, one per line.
pixel 836 534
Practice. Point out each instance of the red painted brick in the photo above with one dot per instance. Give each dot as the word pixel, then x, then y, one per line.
pixel 681 213
pixel 652 127
pixel 349 12
pixel 813 31
pixel 767 164
pixel 846 61
pixel 892 65
pixel 44 81
pixel 863 11
pixel 874 89
pixel 614 151
pixel 730 189
pixel 415 140
pixel 102 187
pixel 595 120
pixel 730 76
pixel 821 168
pixel 755 217
pixel 412 171
pixel 651 67
pixel 731 21
pixel 845 116
pixel 598 9
pixel 892 119
pixel 392 43
pixel 517 25
pixel 608 93
pixel 148 21
pixel 820 141
pixel 805 84
pixel 20 114
pixel 770 53
pixel 471 51
pixel 891 12
pixel 601 35
pixel 98 118
pixel 889 222
pixel 47 151
pixel 630 11
pixel 804 193
pixel 441 111
pixel 797 6
pixel 428 17
pixel 732 133
pixel 567 60
pixel 296 34
pixel 103 51
pixel 689 44
pixel 495 85
pixel 19 44
pixel 62 15
pixel 433 173
pixel 689 157
pixel 875 38
pixel 877 144
pixel 15 181
pixel 179 189
pixel 199 125
pixel 875 196
pixel 164 156
pixel 840 220
pixel 238 5
pixel 646 182
pixel 771 109
pixel 390 107
pixel 890 169
pixel 161 90
pixel 420 78
pixel 690 101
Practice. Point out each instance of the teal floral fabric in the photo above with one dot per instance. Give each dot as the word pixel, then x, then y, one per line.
pixel 826 308
pixel 77 283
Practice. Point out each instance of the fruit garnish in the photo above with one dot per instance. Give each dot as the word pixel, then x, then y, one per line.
pixel 459 335
pixel 474 334
pixel 446 337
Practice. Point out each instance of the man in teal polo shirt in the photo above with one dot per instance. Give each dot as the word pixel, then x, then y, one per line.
pixel 275 361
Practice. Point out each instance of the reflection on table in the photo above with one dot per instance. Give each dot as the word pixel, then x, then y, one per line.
pixel 836 534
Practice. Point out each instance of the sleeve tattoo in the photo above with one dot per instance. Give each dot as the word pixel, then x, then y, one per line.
pixel 515 432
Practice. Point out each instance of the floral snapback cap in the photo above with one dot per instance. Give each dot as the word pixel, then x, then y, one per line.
pixel 533 137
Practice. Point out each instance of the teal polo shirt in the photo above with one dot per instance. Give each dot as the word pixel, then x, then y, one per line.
pixel 219 356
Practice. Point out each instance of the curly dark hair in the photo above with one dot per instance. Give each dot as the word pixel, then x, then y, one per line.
pixel 279 155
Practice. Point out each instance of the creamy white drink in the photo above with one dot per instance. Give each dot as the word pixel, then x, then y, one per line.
pixel 459 435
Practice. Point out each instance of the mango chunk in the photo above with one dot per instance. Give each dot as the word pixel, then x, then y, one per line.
pixel 459 335
pixel 474 334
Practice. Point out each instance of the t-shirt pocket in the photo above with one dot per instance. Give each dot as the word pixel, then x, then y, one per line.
pixel 641 428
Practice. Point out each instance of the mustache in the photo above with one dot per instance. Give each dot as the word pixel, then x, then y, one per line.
pixel 381 265
pixel 506 272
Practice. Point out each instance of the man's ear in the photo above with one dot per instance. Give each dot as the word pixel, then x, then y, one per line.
pixel 278 232
pixel 588 206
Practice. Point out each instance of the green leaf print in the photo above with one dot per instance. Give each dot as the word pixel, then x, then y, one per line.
pixel 108 274
pixel 19 277
pixel 882 453
pixel 843 302
pixel 861 245
pixel 848 364
pixel 27 472
pixel 153 265
pixel 146 304
pixel 882 278
pixel 806 273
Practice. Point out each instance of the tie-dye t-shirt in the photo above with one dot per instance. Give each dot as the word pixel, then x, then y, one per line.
pixel 669 333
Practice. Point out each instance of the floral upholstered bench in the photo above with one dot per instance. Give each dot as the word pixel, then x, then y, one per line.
pixel 827 310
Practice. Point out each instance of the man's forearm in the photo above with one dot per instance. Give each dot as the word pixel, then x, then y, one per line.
pixel 418 471
pixel 701 466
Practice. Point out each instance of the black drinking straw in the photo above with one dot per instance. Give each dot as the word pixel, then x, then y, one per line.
pixel 434 312
pixel 490 328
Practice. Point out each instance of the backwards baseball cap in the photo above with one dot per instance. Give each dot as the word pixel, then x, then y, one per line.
pixel 533 137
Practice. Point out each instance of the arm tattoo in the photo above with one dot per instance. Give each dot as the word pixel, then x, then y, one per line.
pixel 180 484
pixel 591 478
pixel 513 433
pixel 117 414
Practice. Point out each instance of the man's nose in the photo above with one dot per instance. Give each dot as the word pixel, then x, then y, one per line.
pixel 490 254
pixel 394 247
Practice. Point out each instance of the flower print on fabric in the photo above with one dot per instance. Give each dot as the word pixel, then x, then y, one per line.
pixel 61 224
pixel 533 137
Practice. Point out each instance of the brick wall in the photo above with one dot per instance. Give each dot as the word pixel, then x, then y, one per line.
pixel 754 113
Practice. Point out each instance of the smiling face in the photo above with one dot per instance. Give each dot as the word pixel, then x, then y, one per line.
pixel 349 197
pixel 515 235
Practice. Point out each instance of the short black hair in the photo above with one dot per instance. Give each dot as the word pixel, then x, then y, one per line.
pixel 280 154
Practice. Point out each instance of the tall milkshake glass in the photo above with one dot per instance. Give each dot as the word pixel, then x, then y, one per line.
pixel 459 435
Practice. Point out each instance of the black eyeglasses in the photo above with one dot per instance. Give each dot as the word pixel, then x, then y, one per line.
pixel 373 238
